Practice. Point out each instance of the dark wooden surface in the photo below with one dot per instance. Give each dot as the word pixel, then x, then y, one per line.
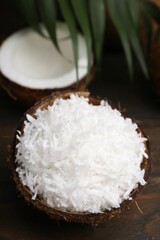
pixel 18 221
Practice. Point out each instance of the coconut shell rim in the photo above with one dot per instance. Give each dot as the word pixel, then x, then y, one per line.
pixel 29 96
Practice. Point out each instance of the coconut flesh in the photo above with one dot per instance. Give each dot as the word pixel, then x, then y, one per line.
pixel 31 61
pixel 80 157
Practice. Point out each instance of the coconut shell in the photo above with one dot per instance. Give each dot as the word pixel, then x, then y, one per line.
pixel 28 96
pixel 153 54
pixel 56 213
pixel 154 63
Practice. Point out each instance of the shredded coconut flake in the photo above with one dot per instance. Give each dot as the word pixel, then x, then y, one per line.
pixel 80 157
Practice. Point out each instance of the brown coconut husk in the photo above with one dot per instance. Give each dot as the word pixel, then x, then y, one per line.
pixel 28 96
pixel 153 54
pixel 57 213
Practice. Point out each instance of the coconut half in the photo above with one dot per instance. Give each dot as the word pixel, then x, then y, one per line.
pixel 57 213
pixel 32 67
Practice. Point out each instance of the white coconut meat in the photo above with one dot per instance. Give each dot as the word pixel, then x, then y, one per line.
pixel 80 157
pixel 32 61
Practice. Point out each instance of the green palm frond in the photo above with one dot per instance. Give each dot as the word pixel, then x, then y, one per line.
pixel 97 16
pixel 47 12
pixel 81 13
pixel 125 15
pixel 89 16
pixel 69 17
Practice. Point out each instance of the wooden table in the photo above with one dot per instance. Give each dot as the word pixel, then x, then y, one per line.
pixel 18 221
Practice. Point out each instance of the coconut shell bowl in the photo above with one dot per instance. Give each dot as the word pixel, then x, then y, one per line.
pixel 70 215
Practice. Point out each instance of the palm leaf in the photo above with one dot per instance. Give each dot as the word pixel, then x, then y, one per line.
pixel 97 15
pixel 134 11
pixel 118 16
pixel 81 13
pixel 125 15
pixel 90 16
pixel 70 21
pixel 47 10
pixel 133 22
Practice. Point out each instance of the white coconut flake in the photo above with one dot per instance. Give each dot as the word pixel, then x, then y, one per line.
pixel 80 157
